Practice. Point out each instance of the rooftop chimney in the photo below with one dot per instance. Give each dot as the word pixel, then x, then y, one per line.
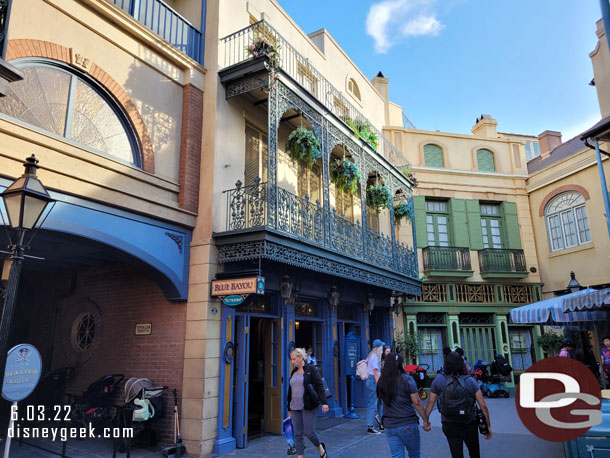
pixel 485 126
pixel 381 83
pixel 549 140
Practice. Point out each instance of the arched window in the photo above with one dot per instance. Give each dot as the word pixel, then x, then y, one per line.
pixel 70 105
pixel 567 223
pixel 485 161
pixel 433 156
pixel 352 87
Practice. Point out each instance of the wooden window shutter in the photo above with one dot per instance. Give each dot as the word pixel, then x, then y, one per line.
pixel 485 161
pixel 473 211
pixel 511 222
pixel 433 156
pixel 419 206
pixel 255 156
pixel 458 222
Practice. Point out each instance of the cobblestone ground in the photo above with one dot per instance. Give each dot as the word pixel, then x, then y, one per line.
pixel 348 439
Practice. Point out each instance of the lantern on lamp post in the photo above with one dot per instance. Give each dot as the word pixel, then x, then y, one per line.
pixel 573 286
pixel 25 201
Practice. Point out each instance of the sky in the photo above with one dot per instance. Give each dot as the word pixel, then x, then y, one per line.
pixel 524 62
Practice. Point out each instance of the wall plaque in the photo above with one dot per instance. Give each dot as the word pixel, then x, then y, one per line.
pixel 143 329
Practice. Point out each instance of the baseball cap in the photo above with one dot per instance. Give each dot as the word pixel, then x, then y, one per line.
pixel 378 343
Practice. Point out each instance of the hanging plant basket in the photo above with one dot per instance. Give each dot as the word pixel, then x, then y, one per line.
pixel 409 174
pixel 363 130
pixel 402 210
pixel 302 144
pixel 261 46
pixel 345 175
pixel 378 197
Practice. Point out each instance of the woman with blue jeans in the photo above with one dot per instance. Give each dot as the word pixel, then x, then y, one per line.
pixel 372 411
pixel 398 392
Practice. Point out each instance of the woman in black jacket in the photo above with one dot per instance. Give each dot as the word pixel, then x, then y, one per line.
pixel 305 393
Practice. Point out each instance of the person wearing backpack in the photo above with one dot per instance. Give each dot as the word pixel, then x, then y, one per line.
pixel 400 397
pixel 374 371
pixel 305 393
pixel 456 393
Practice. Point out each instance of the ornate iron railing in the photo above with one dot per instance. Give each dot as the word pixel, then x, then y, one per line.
pixel 310 222
pixel 502 260
pixel 299 68
pixel 167 23
pixel 446 258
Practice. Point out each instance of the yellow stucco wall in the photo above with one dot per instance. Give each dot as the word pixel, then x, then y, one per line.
pixel 590 262
pixel 148 69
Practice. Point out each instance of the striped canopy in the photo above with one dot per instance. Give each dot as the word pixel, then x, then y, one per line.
pixel 593 300
pixel 551 311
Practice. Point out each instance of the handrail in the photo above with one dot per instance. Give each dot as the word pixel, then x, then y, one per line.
pixel 310 222
pixel 293 63
pixel 502 260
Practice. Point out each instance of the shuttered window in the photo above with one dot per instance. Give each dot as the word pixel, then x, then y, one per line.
pixel 310 182
pixel 344 204
pixel 433 156
pixel 256 156
pixel 485 161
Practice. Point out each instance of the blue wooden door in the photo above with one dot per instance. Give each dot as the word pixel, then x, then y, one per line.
pixel 242 373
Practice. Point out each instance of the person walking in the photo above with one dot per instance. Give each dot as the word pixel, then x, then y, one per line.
pixel 305 393
pixel 604 366
pixel 398 392
pixel 457 393
pixel 467 366
pixel 374 370
pixel 568 347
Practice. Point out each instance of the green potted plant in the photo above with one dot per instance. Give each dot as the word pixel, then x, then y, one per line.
pixel 402 210
pixel 408 343
pixel 302 144
pixel 261 46
pixel 345 175
pixel 363 130
pixel 550 342
pixel 378 197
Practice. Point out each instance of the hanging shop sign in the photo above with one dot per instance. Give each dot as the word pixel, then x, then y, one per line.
pixel 234 291
pixel 21 373
pixel 352 353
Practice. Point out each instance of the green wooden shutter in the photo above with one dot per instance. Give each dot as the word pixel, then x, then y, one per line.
pixel 511 222
pixel 485 161
pixel 433 156
pixel 473 211
pixel 458 222
pixel 419 206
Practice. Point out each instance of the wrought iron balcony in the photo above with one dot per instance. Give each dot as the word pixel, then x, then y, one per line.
pixel 454 261
pixel 167 23
pixel 502 261
pixel 300 70
pixel 309 222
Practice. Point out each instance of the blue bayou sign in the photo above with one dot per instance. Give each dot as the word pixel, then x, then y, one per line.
pixel 21 373
pixel 233 292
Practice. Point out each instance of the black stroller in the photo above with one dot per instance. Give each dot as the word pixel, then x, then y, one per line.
pixel 491 376
pixel 96 405
pixel 143 404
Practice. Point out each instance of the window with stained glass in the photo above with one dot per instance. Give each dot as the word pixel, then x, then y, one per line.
pixel 67 104
pixel 567 222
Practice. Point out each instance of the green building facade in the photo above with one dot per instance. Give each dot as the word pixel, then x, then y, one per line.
pixel 474 270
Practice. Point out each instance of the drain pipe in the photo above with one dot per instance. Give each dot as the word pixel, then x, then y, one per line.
pixel 602 176
pixel 605 7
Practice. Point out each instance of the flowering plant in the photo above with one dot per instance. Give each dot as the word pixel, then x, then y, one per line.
pixel 378 197
pixel 363 130
pixel 261 46
pixel 402 210
pixel 303 144
pixel 345 175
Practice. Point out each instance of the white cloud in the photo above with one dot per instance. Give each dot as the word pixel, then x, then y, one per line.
pixel 391 19
pixel 423 25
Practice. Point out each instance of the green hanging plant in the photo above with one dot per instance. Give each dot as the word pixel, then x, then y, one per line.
pixel 363 130
pixel 345 175
pixel 408 172
pixel 402 210
pixel 302 144
pixel 378 197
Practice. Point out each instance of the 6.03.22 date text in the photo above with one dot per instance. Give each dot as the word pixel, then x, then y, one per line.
pixel 41 413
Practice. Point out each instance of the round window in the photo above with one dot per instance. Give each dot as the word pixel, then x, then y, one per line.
pixel 83 331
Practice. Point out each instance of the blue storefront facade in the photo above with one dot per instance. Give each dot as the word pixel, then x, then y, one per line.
pixel 329 268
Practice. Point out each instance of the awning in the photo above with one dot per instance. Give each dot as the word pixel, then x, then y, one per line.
pixel 593 300
pixel 551 311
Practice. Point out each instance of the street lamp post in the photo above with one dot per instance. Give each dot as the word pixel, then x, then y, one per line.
pixel 25 201
pixel 573 286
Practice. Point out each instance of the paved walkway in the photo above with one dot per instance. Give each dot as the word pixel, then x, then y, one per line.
pixel 348 439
